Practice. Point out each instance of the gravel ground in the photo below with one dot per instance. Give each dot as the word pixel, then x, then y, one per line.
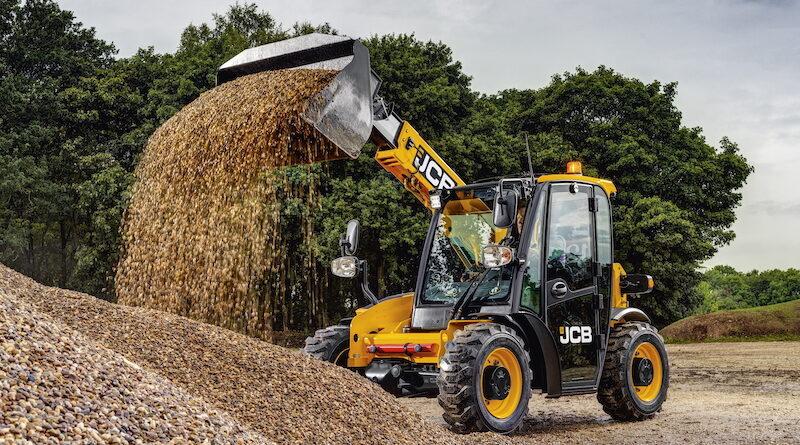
pixel 58 387
pixel 280 393
pixel 720 393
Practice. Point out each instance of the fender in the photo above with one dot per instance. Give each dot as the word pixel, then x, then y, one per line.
pixel 623 315
pixel 545 361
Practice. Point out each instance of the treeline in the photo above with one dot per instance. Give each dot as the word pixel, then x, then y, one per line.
pixel 723 288
pixel 75 119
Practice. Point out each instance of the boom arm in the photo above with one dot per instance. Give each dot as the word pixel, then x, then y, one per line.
pixel 349 111
pixel 405 154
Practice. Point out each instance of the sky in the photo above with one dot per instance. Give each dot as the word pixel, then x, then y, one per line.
pixel 737 64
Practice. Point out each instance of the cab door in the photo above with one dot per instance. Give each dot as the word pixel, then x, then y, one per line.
pixel 571 289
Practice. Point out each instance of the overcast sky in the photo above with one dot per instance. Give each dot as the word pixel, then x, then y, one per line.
pixel 737 64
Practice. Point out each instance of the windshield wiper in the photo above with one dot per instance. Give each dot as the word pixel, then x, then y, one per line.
pixel 467 300
pixel 467 295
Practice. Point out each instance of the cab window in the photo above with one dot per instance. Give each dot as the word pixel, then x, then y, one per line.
pixel 454 265
pixel 603 228
pixel 569 236
pixel 532 278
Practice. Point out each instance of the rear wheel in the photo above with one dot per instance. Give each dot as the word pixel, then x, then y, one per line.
pixel 331 344
pixel 484 379
pixel 636 373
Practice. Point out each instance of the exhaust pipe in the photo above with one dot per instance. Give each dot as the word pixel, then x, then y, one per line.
pixel 343 111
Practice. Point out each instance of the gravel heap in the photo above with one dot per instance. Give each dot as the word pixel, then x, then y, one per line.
pixel 202 232
pixel 278 392
pixel 57 387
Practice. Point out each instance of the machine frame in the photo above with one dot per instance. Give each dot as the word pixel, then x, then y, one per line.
pixel 394 325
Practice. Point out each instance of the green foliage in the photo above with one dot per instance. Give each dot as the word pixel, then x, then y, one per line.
pixel 428 87
pixel 723 288
pixel 74 121
pixel 677 194
pixel 53 125
pixel 392 228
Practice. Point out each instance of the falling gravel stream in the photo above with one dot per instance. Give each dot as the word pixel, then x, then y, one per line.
pixel 202 232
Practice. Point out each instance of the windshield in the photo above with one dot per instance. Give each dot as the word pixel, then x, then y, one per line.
pixel 463 229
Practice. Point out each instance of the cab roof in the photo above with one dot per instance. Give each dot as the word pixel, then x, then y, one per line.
pixel 605 184
pixel 541 178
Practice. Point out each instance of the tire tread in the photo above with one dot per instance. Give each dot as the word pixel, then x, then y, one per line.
pixel 612 393
pixel 457 395
pixel 324 341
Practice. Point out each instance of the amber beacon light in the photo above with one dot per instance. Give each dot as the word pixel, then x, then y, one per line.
pixel 575 168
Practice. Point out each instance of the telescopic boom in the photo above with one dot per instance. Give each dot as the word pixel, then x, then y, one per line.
pixel 349 111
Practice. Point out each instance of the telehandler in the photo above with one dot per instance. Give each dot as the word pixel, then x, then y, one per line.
pixel 517 288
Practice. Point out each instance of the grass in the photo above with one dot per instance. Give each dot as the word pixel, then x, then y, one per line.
pixel 776 322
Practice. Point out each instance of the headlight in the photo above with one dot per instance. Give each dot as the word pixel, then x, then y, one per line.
pixel 345 267
pixel 496 256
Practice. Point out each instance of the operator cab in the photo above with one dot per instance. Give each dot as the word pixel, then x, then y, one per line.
pixel 557 273
pixel 457 279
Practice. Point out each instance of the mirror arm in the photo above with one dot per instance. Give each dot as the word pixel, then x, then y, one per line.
pixel 362 264
pixel 343 244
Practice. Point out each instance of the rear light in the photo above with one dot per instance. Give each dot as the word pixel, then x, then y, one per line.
pixel 408 348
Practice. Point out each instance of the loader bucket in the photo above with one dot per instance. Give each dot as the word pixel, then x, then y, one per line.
pixel 342 112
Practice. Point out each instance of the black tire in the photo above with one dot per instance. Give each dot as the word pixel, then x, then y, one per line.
pixel 617 392
pixel 330 345
pixel 460 381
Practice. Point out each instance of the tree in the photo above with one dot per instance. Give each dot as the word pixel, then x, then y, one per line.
pixel 48 134
pixel 723 288
pixel 74 122
pixel 677 193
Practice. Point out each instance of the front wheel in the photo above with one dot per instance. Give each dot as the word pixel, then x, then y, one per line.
pixel 331 344
pixel 636 373
pixel 485 379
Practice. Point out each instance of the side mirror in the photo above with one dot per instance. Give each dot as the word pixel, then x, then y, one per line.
pixel 636 284
pixel 349 241
pixel 505 208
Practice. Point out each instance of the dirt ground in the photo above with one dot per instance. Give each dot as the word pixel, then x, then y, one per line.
pixel 719 393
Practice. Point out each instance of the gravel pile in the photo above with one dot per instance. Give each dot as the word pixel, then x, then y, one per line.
pixel 280 393
pixel 202 232
pixel 57 387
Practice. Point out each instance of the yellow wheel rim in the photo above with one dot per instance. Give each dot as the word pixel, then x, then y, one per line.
pixel 648 393
pixel 505 358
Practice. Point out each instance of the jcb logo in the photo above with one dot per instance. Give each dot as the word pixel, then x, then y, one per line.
pixel 432 171
pixel 575 334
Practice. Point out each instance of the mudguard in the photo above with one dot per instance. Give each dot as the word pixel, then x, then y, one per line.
pixel 622 315
pixel 545 361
